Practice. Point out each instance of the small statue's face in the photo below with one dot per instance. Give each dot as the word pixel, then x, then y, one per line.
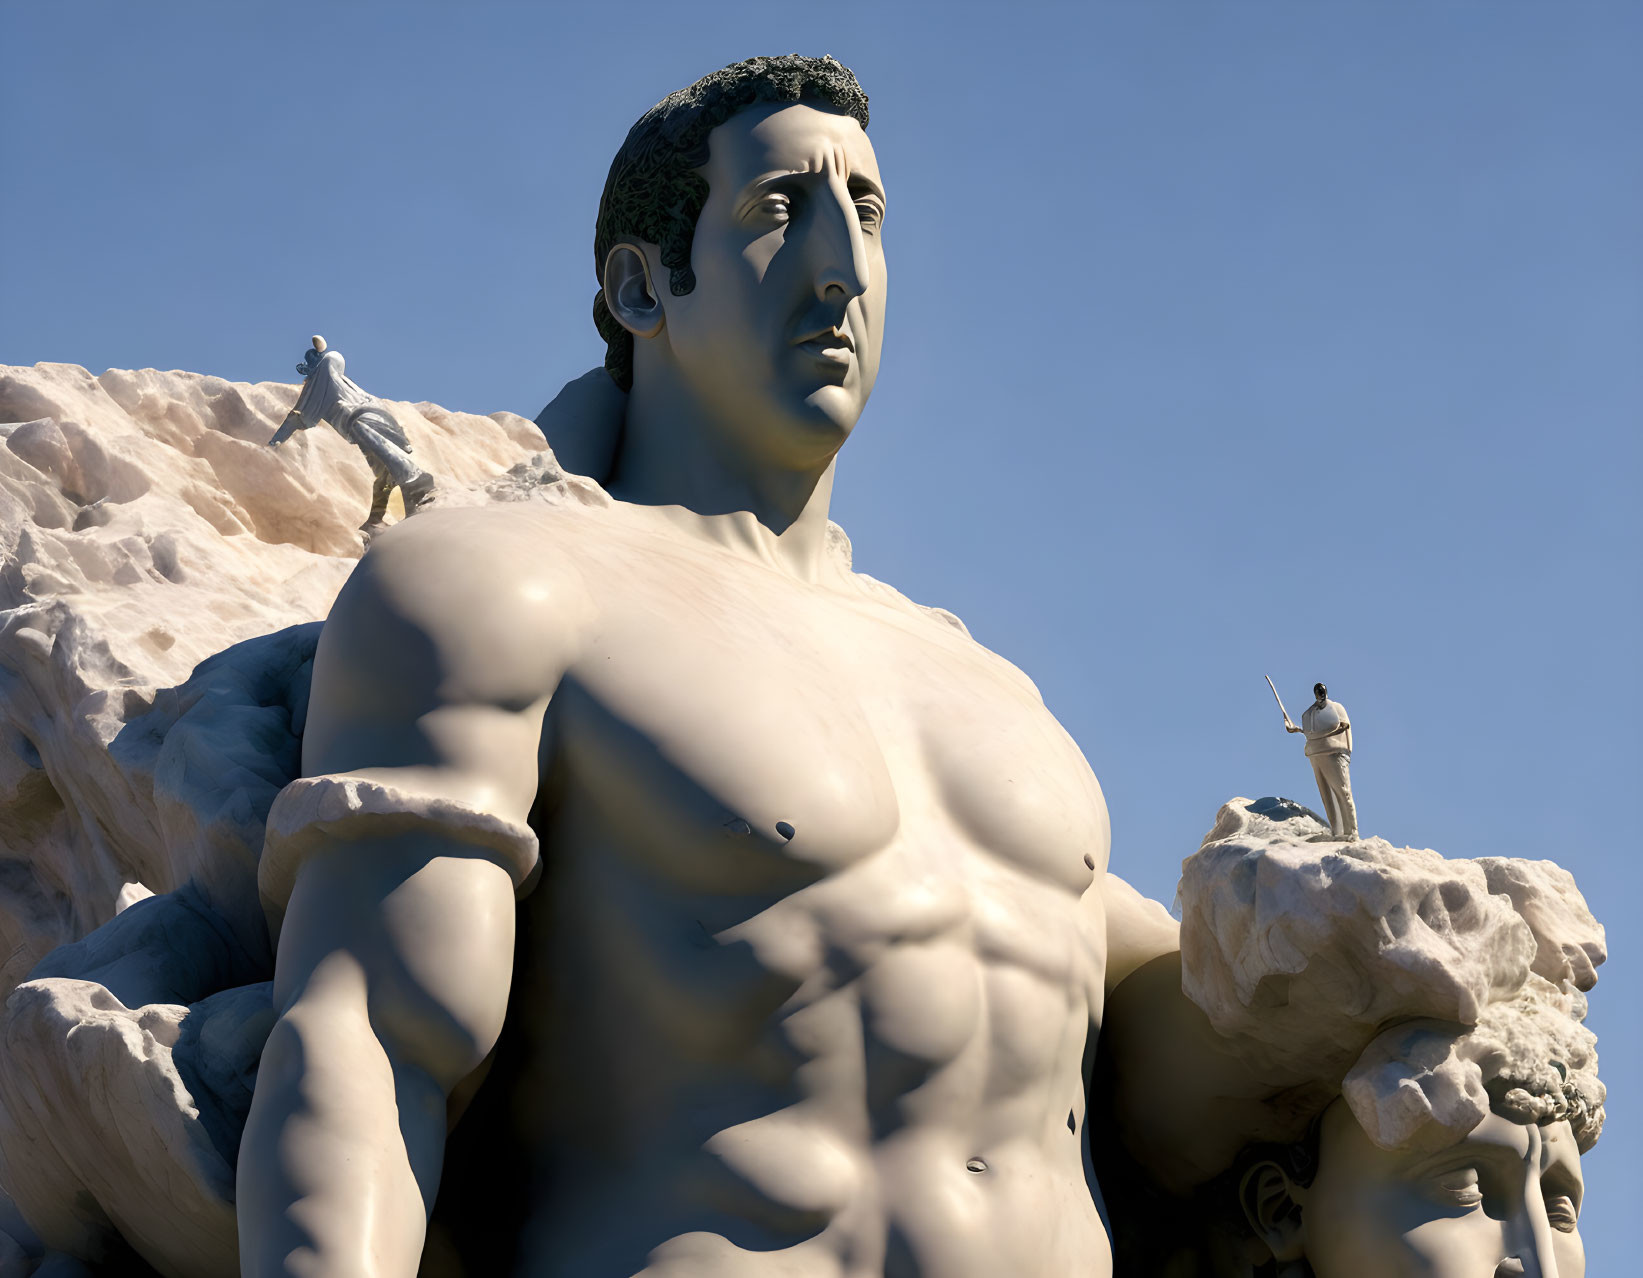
pixel 1504 1201
pixel 779 341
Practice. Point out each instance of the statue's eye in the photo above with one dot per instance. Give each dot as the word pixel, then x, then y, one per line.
pixel 1458 1188
pixel 869 214
pixel 775 207
pixel 1561 1213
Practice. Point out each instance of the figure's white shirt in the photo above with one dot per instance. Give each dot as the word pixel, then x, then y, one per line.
pixel 1327 728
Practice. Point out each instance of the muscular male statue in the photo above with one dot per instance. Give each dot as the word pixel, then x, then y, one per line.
pixel 815 919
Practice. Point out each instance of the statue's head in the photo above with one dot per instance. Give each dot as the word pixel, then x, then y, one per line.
pixel 1320 692
pixel 1429 1014
pixel 311 356
pixel 739 254
pixel 1503 1198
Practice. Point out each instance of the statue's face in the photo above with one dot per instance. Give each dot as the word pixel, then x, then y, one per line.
pixel 779 341
pixel 1508 1190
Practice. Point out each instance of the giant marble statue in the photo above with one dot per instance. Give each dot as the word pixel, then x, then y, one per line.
pixel 816 917
pixel 626 886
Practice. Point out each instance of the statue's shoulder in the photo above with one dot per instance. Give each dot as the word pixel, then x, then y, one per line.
pixel 470 584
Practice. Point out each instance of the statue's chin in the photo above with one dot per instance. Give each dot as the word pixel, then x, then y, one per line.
pixel 793 431
pixel 832 411
pixel 812 437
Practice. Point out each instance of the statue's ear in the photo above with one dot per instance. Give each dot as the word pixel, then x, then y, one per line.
pixel 1272 1206
pixel 629 292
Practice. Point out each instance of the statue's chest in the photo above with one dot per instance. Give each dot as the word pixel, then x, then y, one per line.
pixel 756 734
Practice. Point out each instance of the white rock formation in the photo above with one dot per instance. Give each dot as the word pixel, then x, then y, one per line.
pixel 162 576
pixel 1423 989
pixel 104 1130
pixel 144 528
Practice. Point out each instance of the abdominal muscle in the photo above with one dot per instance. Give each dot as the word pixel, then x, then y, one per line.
pixel 921 1119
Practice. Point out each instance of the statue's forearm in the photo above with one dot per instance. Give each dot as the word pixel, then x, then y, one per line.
pixel 342 1151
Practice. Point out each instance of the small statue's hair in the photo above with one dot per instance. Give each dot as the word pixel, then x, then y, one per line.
pixel 653 192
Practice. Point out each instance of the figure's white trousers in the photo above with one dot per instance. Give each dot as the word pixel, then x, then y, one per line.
pixel 391 465
pixel 1335 788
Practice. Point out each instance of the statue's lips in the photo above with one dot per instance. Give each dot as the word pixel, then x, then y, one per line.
pixel 831 345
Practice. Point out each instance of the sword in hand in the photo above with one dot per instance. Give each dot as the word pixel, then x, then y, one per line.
pixel 1288 726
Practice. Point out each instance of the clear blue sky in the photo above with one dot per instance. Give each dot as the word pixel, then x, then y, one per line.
pixel 1224 339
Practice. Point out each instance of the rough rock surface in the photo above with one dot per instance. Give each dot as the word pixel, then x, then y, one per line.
pixel 145 527
pixel 144 1082
pixel 162 579
pixel 1425 988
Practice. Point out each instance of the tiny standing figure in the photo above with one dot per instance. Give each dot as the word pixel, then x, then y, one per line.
pixel 1329 748
pixel 329 396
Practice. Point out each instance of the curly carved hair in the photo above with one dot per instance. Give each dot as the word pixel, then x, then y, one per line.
pixel 654 193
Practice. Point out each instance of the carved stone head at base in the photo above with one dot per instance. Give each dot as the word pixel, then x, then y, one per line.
pixel 1504 1200
pixel 1442 1002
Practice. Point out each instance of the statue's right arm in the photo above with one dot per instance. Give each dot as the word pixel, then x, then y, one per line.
pixel 395 949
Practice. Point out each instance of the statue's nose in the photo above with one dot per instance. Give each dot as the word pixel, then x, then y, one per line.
pixel 841 264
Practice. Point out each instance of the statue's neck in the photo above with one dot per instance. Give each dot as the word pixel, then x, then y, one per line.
pixel 697 480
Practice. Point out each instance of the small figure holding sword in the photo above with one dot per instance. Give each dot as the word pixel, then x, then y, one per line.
pixel 1329 749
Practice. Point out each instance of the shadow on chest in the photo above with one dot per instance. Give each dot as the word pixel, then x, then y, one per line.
pixel 788 733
